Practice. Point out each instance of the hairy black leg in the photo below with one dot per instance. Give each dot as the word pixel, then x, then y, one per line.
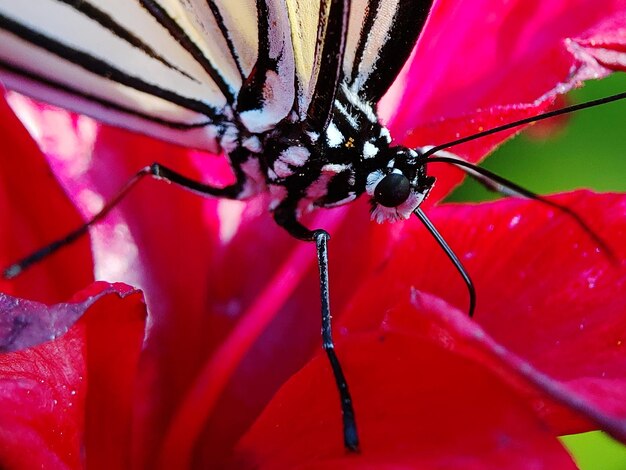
pixel 452 257
pixel 285 217
pixel 156 170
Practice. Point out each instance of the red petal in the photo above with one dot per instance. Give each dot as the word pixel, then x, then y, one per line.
pixel 483 63
pixel 25 324
pixel 208 289
pixel 34 211
pixel 136 244
pixel 518 304
pixel 113 337
pixel 68 400
pixel 517 53
pixel 207 286
pixel 195 287
pixel 544 291
pixel 606 43
pixel 417 406
pixel 198 295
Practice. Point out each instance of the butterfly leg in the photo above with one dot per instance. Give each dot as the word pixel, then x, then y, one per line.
pixel 285 217
pixel 157 171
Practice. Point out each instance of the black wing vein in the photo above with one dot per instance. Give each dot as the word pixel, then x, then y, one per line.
pixel 102 68
pixel 106 21
pixel 178 33
pixel 61 87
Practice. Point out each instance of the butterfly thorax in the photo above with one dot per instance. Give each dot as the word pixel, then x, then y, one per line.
pixel 303 168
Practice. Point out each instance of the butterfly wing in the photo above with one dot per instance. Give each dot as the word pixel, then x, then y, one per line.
pixel 363 44
pixel 165 68
pixel 381 36
pixel 169 68
pixel 326 65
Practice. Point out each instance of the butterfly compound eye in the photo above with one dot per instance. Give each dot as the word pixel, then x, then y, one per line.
pixel 392 190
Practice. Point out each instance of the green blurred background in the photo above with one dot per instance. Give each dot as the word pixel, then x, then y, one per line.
pixel 589 151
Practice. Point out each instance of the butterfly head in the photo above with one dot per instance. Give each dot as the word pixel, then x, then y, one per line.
pixel 399 186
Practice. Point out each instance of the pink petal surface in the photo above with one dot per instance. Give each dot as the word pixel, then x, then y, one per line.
pixel 521 55
pixel 74 393
pixel 606 42
pixel 518 53
pixel 205 265
pixel 570 388
pixel 34 211
pixel 554 306
pixel 418 405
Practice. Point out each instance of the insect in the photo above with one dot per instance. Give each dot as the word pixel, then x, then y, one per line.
pixel 285 89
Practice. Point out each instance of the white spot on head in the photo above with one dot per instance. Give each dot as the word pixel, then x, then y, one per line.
pixel 374 178
pixel 295 156
pixel 334 136
pixel 372 181
pixel 384 133
pixel 281 169
pixel 335 168
pixel 370 150
pixel 402 212
pixel 313 136
pixel 253 144
pixel 392 214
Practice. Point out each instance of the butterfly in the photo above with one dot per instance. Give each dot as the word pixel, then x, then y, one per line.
pixel 285 89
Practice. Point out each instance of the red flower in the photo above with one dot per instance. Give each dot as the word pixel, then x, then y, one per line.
pixel 230 372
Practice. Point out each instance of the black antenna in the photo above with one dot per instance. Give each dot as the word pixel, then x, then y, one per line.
pixel 529 120
pixel 509 188
pixel 503 185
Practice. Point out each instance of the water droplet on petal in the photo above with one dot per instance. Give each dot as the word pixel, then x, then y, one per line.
pixel 514 221
pixel 591 281
pixel 469 255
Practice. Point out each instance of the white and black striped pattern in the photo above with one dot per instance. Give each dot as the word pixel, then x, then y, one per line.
pixel 286 88
pixel 175 64
pixel 127 62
